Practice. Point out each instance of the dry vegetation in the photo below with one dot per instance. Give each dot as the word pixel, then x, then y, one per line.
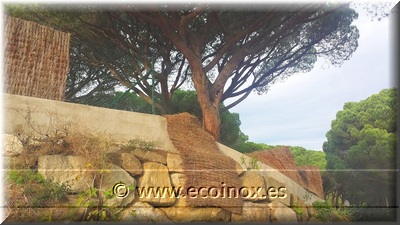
pixel 68 140
pixel 32 198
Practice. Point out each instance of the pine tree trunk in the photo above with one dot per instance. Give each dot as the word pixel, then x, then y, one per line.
pixel 209 100
pixel 211 119
pixel 210 113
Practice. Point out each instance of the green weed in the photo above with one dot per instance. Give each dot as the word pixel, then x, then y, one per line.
pixel 37 189
pixel 138 143
pixel 253 163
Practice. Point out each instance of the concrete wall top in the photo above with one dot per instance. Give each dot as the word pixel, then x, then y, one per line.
pixel 46 114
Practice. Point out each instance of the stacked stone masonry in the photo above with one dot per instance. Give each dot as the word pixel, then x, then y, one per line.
pixel 274 201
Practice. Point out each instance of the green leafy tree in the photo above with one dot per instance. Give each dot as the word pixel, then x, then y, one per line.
pixel 231 135
pixel 304 157
pixel 182 101
pixel 85 80
pixel 117 100
pixel 250 146
pixel 360 151
pixel 224 52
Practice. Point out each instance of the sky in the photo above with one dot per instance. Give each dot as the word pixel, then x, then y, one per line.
pixel 299 110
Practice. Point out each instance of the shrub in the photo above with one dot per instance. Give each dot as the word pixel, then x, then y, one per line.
pixel 372 214
pixel 37 189
pixel 327 213
pixel 253 163
pixel 32 198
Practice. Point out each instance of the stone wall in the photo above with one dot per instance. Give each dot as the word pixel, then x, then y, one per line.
pixel 268 194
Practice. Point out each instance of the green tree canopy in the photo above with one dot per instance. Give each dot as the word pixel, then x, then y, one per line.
pixel 182 101
pixel 360 150
pixel 304 157
pixel 224 52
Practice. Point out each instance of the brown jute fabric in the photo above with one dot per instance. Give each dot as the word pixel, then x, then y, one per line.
pixel 312 179
pixel 281 159
pixel 36 59
pixel 205 166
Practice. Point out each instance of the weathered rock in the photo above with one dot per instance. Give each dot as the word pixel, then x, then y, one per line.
pixel 116 175
pixel 73 171
pixel 66 169
pixel 280 192
pixel 180 202
pixel 174 163
pixel 281 213
pixel 155 177
pixel 76 211
pixel 12 145
pixel 178 181
pixel 254 183
pixel 149 156
pixel 252 212
pixel 300 208
pixel 239 168
pixel 143 212
pixel 131 164
pixel 179 214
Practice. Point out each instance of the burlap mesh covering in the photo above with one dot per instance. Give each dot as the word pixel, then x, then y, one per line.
pixel 204 165
pixel 36 59
pixel 281 159
pixel 312 179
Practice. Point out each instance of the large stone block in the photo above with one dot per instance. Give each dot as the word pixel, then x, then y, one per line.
pixel 281 213
pixel 149 156
pixel 155 185
pixel 72 170
pixel 112 176
pixel 66 169
pixel 131 164
pixel 178 181
pixel 174 163
pixel 252 212
pixel 179 214
pixel 143 212
pixel 254 184
pixel 239 168
pixel 12 146
pixel 277 191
